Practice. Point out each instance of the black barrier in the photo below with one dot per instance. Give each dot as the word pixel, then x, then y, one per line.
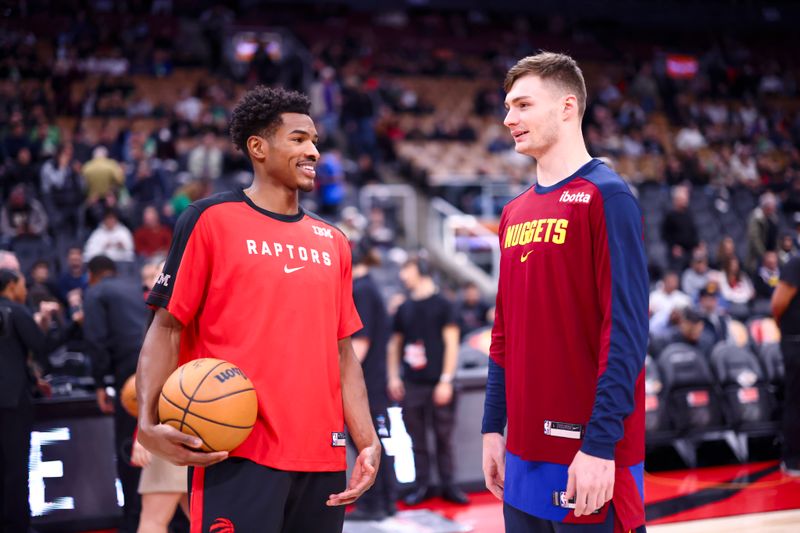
pixel 72 473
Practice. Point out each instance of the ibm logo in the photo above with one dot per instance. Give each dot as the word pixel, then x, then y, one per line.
pixel 323 232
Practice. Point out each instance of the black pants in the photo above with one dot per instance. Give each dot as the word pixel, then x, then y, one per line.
pixel 124 428
pixel 15 446
pixel 240 495
pixel 421 415
pixel 382 495
pixel 791 405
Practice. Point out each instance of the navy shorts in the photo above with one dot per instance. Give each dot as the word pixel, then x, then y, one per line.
pixel 520 522
pixel 238 495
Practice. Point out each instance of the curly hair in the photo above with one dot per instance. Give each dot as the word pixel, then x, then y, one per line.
pixel 259 113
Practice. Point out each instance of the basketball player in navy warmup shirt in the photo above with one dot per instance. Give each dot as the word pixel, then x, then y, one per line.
pixel 254 279
pixel 570 331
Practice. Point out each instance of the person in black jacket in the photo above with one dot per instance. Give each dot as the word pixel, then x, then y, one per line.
pixel 369 345
pixel 19 336
pixel 114 324
pixel 678 230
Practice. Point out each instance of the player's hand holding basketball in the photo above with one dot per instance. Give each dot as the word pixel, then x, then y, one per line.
pixel 364 472
pixel 176 447
pixel 591 482
pixel 494 463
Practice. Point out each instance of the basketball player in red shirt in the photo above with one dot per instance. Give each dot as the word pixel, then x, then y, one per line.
pixel 254 279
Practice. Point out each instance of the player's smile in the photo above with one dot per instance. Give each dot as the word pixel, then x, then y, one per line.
pixel 308 168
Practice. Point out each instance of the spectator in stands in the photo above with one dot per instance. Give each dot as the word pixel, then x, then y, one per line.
pixel 762 231
pixel 697 275
pixel 767 277
pixel 205 160
pixel 111 238
pixel 145 183
pixel 736 288
pixel 725 251
pixel 63 190
pixel 152 237
pixel 326 101
pixel 668 295
pixel 103 175
pixel 22 216
pixel 716 320
pixel 691 330
pixel 743 166
pixel 472 310
pixel 678 229
pixel 786 249
pixel 330 182
pixel 74 276
pixel 22 170
pixel 690 138
pixel 41 286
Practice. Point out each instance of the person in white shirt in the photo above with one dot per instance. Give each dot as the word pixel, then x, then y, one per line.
pixel 111 238
pixel 666 299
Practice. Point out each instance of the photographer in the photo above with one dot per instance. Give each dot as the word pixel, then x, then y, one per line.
pixel 19 336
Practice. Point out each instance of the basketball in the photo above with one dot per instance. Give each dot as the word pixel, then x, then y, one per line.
pixel 210 399
pixel 127 396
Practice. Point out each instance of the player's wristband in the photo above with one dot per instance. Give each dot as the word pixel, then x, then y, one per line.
pixel 446 378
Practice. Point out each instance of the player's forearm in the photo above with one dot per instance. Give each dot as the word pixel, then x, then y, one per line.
pixel 451 334
pixel 354 398
pixel 157 360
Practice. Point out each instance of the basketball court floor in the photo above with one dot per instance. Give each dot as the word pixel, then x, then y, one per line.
pixel 754 497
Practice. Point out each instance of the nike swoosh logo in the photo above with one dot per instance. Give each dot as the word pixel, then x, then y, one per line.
pixel 525 256
pixel 290 270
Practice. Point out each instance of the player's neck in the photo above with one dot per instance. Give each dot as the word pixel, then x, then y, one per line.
pixel 273 198
pixel 561 161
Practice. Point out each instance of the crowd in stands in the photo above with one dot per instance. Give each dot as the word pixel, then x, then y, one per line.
pixel 113 120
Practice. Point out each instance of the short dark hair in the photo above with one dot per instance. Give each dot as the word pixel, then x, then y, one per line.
pixel 560 69
pixel 101 264
pixel 7 276
pixel 259 113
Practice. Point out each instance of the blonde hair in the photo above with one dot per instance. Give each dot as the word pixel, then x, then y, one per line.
pixel 560 69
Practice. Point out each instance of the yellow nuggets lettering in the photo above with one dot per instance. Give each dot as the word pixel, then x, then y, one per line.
pixel 552 230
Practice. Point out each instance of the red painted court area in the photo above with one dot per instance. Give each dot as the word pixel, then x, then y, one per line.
pixel 675 496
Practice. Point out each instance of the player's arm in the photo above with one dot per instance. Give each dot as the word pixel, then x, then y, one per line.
pixel 781 298
pixel 359 424
pixel 157 360
pixel 622 284
pixel 443 392
pixel 786 289
pixel 395 385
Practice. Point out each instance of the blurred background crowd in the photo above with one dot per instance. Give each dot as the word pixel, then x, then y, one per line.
pixel 113 118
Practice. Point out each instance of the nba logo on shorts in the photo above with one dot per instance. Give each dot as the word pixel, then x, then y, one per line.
pixel 546 427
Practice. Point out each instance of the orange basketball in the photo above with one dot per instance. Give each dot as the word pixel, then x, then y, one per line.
pixel 127 396
pixel 211 399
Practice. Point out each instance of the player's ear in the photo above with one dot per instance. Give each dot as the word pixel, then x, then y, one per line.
pixel 570 106
pixel 257 147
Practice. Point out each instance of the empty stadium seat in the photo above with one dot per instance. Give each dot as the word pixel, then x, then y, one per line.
pixel 747 401
pixel 692 398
